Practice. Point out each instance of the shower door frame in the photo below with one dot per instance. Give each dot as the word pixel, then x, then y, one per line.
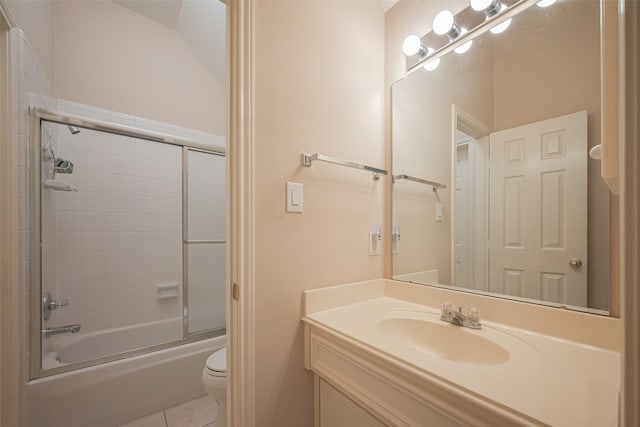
pixel 36 116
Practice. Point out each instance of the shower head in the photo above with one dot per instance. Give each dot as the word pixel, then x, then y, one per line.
pixel 74 130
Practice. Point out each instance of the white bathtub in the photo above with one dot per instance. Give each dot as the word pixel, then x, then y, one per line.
pixel 116 392
pixel 83 346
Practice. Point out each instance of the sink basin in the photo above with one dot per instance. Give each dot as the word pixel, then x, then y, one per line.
pixel 443 340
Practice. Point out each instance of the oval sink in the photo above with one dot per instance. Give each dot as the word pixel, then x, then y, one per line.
pixel 443 340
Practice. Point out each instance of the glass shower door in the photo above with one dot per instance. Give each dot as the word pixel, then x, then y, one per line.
pixel 111 244
pixel 205 245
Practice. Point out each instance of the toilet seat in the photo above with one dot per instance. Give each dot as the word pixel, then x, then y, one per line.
pixel 217 363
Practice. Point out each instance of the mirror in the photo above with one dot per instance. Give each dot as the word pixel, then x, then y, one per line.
pixel 507 127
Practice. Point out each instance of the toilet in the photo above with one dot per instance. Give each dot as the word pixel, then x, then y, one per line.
pixel 214 378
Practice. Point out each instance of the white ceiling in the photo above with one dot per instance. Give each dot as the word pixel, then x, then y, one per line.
pixel 201 23
pixel 387 4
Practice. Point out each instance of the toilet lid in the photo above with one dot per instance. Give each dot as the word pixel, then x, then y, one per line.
pixel 218 361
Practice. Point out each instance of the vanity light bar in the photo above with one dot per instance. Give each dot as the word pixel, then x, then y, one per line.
pixel 475 23
pixel 307 159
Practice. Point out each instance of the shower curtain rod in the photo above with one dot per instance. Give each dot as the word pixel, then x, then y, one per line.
pixel 124 130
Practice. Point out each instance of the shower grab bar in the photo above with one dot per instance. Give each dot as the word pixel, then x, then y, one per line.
pixel 199 242
pixel 434 184
pixel 307 159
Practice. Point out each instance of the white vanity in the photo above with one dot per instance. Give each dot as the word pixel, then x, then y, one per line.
pixel 381 356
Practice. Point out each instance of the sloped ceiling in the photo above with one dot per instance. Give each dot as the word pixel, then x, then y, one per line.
pixel 201 23
pixel 388 4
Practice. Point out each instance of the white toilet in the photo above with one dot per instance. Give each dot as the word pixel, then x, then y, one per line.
pixel 214 378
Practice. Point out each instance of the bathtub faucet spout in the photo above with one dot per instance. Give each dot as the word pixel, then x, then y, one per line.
pixel 68 329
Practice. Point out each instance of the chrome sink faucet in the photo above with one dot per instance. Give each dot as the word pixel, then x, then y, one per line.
pixel 457 317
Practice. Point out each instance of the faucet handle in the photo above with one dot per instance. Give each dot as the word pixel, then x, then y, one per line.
pixel 55 304
pixel 473 314
pixel 446 308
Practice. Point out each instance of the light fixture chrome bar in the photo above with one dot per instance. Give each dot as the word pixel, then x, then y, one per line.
pixel 307 159
pixel 434 184
pixel 514 7
pixel 135 132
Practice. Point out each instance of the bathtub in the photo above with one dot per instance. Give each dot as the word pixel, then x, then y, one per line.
pixel 116 392
pixel 73 348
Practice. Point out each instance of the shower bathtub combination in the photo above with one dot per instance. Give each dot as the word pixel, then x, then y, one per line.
pixel 127 264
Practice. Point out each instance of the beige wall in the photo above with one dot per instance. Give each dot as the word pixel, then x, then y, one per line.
pixel 35 18
pixel 319 87
pixel 110 57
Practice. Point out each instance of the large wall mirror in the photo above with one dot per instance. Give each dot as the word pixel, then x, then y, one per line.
pixel 507 126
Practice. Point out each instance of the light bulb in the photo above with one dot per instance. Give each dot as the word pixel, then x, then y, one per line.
pixel 545 3
pixel 443 22
pixel 501 27
pixel 480 5
pixel 433 64
pixel 489 7
pixel 411 45
pixel 463 47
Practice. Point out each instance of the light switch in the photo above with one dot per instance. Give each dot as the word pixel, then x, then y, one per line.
pixel 439 212
pixel 295 197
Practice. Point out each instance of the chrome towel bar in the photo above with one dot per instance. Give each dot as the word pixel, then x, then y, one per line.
pixel 307 159
pixel 434 184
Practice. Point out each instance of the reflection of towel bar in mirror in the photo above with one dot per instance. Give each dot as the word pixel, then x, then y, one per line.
pixel 307 159
pixel 435 185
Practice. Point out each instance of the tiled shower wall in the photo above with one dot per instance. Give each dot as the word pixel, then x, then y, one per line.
pixel 120 234
pixel 31 79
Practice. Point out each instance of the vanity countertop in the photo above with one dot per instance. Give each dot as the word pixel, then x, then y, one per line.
pixel 549 379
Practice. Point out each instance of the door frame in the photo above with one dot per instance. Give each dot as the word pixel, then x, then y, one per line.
pixel 628 162
pixel 475 128
pixel 10 357
pixel 241 394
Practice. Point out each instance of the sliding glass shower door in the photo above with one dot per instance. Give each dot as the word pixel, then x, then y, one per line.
pixel 132 246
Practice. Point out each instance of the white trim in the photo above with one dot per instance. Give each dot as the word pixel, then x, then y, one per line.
pixel 5 15
pixel 630 221
pixel 10 348
pixel 241 153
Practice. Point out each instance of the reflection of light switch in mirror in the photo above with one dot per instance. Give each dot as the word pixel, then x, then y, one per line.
pixel 294 197
pixel 439 212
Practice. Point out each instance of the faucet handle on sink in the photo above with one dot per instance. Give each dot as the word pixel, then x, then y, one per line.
pixel 473 315
pixel 446 308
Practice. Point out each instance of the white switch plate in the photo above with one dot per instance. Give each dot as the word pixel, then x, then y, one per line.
pixel 439 212
pixel 295 197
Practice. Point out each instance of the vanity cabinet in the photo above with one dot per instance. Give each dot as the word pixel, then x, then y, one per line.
pixel 335 409
pixel 355 387
pixel 381 356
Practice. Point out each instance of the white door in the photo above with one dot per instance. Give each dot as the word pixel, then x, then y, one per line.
pixel 538 210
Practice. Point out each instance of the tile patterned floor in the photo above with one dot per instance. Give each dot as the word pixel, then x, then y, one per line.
pixel 200 412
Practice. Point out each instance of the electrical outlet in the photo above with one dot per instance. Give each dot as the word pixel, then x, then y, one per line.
pixel 374 240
